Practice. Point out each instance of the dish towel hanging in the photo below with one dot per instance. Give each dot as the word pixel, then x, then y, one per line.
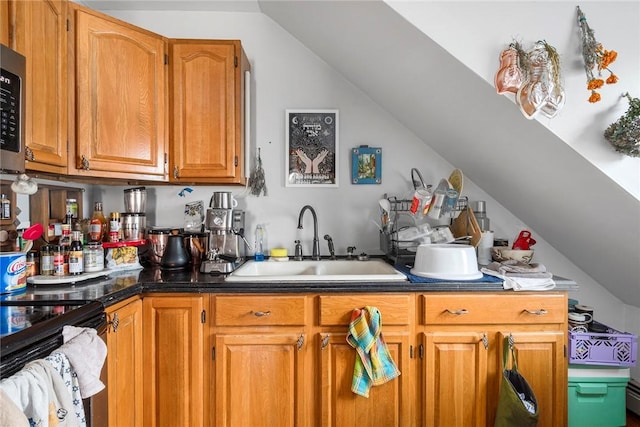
pixel 87 353
pixel 374 364
pixel 40 393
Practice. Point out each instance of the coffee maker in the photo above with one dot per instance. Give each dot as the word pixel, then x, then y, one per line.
pixel 225 226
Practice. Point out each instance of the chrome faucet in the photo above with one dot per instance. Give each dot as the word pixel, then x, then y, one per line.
pixel 316 241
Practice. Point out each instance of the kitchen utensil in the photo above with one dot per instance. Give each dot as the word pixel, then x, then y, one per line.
pixel 456 179
pixel 466 225
pixel 196 245
pixel 222 200
pixel 135 200
pixel 30 234
pixel 256 178
pixel 175 255
pixel 158 238
pixel 446 261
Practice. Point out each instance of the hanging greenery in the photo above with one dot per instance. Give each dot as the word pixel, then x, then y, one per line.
pixel 624 134
pixel 595 58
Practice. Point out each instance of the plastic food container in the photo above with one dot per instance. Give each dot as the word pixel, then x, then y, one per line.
pixel 13 267
pixel 447 262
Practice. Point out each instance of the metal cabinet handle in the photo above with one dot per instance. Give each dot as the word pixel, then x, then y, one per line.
pixel 300 342
pixel 325 342
pixel 115 322
pixel 540 312
pixel 261 313
pixel 28 154
pixel 485 341
pixel 457 312
pixel 85 163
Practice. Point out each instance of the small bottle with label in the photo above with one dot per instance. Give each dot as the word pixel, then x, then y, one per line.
pixel 60 267
pixel 98 224
pixel 5 213
pixel 115 231
pixel 76 263
pixel 46 260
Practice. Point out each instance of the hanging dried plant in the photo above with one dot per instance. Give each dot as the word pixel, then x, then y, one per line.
pixel 624 134
pixel 596 58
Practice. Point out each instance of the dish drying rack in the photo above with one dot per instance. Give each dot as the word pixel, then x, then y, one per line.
pixel 405 250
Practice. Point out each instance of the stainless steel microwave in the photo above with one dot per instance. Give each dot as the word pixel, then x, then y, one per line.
pixel 12 96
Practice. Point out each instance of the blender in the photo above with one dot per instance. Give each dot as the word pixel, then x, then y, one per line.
pixel 225 226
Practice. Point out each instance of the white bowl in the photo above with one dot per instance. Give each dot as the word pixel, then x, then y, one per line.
pixel 446 261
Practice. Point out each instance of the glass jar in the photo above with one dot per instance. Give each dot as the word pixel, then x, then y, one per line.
pixel 46 260
pixel 93 255
pixel 60 264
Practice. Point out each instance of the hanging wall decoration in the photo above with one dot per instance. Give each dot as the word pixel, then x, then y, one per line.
pixel 535 78
pixel 596 59
pixel 366 165
pixel 624 134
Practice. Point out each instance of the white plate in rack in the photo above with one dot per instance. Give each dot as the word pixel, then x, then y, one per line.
pixel 65 280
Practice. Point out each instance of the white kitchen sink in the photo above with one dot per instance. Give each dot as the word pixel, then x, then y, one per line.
pixel 373 270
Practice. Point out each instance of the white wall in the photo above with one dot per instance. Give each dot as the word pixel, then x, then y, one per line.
pixel 287 75
pixel 580 124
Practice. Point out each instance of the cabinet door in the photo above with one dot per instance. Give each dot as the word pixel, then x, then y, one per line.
pixel 40 34
pixel 258 379
pixel 173 360
pixel 389 404
pixel 4 22
pixel 124 365
pixel 120 99
pixel 455 379
pixel 542 361
pixel 207 110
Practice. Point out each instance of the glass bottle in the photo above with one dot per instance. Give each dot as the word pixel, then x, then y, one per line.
pixel 46 260
pixel 76 263
pixel 6 207
pixel 98 224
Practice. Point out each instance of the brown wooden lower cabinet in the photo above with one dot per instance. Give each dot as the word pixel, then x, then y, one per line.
pixel 124 363
pixel 283 359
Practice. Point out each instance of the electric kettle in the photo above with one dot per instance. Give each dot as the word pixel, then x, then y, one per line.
pixel 175 255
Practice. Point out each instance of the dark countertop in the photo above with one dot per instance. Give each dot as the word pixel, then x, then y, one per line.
pixel 120 285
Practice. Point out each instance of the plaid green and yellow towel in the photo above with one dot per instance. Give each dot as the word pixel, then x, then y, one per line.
pixel 374 365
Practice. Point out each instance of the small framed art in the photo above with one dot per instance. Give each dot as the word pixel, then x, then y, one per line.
pixel 366 165
pixel 311 148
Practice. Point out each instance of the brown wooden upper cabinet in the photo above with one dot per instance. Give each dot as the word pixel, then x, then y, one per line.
pixel 206 84
pixel 38 30
pixel 120 99
pixel 4 22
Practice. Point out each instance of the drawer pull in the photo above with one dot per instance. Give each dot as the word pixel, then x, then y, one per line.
pixel 485 341
pixel 300 342
pixel 457 312
pixel 261 313
pixel 540 312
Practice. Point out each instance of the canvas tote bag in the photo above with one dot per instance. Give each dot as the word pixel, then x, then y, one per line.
pixel 517 405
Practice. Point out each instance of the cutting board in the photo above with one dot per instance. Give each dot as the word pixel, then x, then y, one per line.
pixel 466 225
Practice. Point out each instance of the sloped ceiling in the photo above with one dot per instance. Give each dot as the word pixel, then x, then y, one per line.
pixel 540 179
pixel 571 204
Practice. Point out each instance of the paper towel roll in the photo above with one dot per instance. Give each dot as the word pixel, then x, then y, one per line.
pixel 484 247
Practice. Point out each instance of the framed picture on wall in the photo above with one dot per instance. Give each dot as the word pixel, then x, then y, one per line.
pixel 366 165
pixel 311 148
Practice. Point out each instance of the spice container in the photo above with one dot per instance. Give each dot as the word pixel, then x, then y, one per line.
pixel 5 213
pixel 93 255
pixel 115 229
pixel 46 260
pixel 60 266
pixel 32 267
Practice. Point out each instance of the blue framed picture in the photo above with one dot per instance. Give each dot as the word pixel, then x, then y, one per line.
pixel 366 165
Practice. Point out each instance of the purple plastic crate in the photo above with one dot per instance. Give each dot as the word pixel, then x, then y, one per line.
pixel 613 348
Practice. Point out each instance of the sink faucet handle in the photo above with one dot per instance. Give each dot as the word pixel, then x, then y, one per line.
pixel 350 250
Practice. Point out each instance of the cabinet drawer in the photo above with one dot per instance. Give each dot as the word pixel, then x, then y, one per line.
pixel 259 310
pixel 336 310
pixel 493 309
